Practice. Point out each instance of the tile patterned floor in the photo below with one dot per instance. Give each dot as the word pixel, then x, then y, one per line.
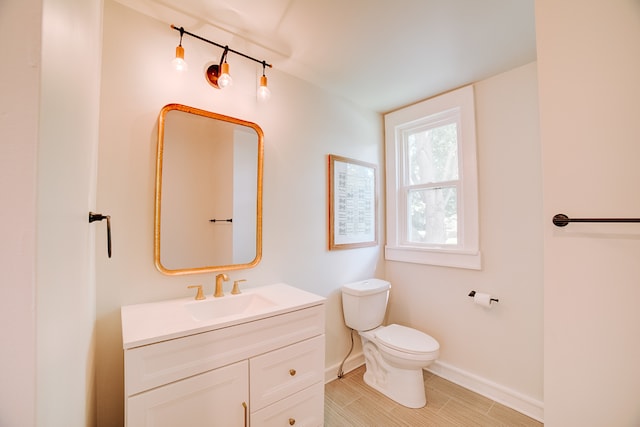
pixel 350 402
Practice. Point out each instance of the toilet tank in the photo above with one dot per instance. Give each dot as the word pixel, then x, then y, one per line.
pixel 364 303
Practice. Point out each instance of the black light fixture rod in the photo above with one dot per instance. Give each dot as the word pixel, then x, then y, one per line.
pixel 226 48
pixel 561 220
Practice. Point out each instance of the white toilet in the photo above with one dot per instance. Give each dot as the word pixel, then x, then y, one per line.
pixel 394 355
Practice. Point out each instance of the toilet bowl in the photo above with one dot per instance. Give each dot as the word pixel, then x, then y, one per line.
pixel 404 347
pixel 395 355
pixel 394 365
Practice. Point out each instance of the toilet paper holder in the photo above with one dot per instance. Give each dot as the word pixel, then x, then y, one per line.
pixel 473 294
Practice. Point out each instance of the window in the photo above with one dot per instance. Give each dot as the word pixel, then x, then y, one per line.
pixel 432 201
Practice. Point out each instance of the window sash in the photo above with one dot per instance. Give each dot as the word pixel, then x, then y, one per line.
pixel 456 106
pixel 426 124
pixel 451 233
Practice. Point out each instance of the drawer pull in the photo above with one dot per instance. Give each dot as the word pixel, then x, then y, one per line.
pixel 292 372
pixel 292 421
pixel 244 405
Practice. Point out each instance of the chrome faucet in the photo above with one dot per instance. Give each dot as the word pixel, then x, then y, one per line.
pixel 219 279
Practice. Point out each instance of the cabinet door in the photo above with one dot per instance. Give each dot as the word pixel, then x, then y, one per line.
pixel 214 398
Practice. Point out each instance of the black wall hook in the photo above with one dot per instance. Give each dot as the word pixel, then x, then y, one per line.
pixel 99 217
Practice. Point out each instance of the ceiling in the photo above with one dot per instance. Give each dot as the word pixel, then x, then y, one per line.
pixel 380 54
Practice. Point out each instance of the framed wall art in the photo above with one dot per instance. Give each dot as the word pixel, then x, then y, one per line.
pixel 353 203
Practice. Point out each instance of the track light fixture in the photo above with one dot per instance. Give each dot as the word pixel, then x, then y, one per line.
pixel 224 80
pixel 178 62
pixel 264 93
pixel 218 74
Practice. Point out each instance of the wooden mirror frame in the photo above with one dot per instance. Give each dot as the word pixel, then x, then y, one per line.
pixel 158 192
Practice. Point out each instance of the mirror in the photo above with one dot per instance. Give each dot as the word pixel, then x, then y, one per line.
pixel 208 201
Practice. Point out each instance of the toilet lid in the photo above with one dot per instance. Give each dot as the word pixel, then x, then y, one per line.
pixel 406 339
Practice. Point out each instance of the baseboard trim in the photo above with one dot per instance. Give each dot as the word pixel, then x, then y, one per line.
pixel 508 397
pixel 353 362
pixel 517 401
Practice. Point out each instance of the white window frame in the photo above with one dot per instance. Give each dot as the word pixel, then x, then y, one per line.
pixel 466 253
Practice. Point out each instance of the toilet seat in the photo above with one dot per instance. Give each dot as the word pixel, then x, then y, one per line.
pixel 406 340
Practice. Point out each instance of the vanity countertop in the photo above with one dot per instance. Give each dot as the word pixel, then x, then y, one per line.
pixel 148 323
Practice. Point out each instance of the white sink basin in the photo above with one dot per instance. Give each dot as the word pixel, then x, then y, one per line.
pixel 229 305
pixel 149 323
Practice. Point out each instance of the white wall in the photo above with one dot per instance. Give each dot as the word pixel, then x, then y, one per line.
pixel 18 153
pixel 589 65
pixel 498 351
pixel 301 124
pixel 67 149
pixel 49 121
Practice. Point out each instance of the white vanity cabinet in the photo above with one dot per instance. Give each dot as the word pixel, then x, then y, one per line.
pixel 264 372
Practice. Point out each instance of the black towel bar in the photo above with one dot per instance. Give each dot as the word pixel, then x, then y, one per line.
pixel 561 220
pixel 221 220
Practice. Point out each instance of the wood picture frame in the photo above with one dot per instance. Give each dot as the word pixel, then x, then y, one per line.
pixel 353 203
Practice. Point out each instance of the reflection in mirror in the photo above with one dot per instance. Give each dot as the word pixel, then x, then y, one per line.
pixel 208 204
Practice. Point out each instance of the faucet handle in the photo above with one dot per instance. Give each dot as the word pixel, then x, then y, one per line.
pixel 236 289
pixel 199 295
pixel 219 292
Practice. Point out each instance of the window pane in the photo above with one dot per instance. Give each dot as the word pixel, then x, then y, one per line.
pixel 433 216
pixel 432 154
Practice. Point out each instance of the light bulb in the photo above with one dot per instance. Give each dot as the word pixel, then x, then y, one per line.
pixel 224 80
pixel 178 62
pixel 264 93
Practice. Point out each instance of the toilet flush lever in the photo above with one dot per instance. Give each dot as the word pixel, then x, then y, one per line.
pixel 99 217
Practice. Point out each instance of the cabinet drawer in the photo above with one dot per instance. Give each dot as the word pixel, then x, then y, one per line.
pixel 157 364
pixel 305 408
pixel 285 371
